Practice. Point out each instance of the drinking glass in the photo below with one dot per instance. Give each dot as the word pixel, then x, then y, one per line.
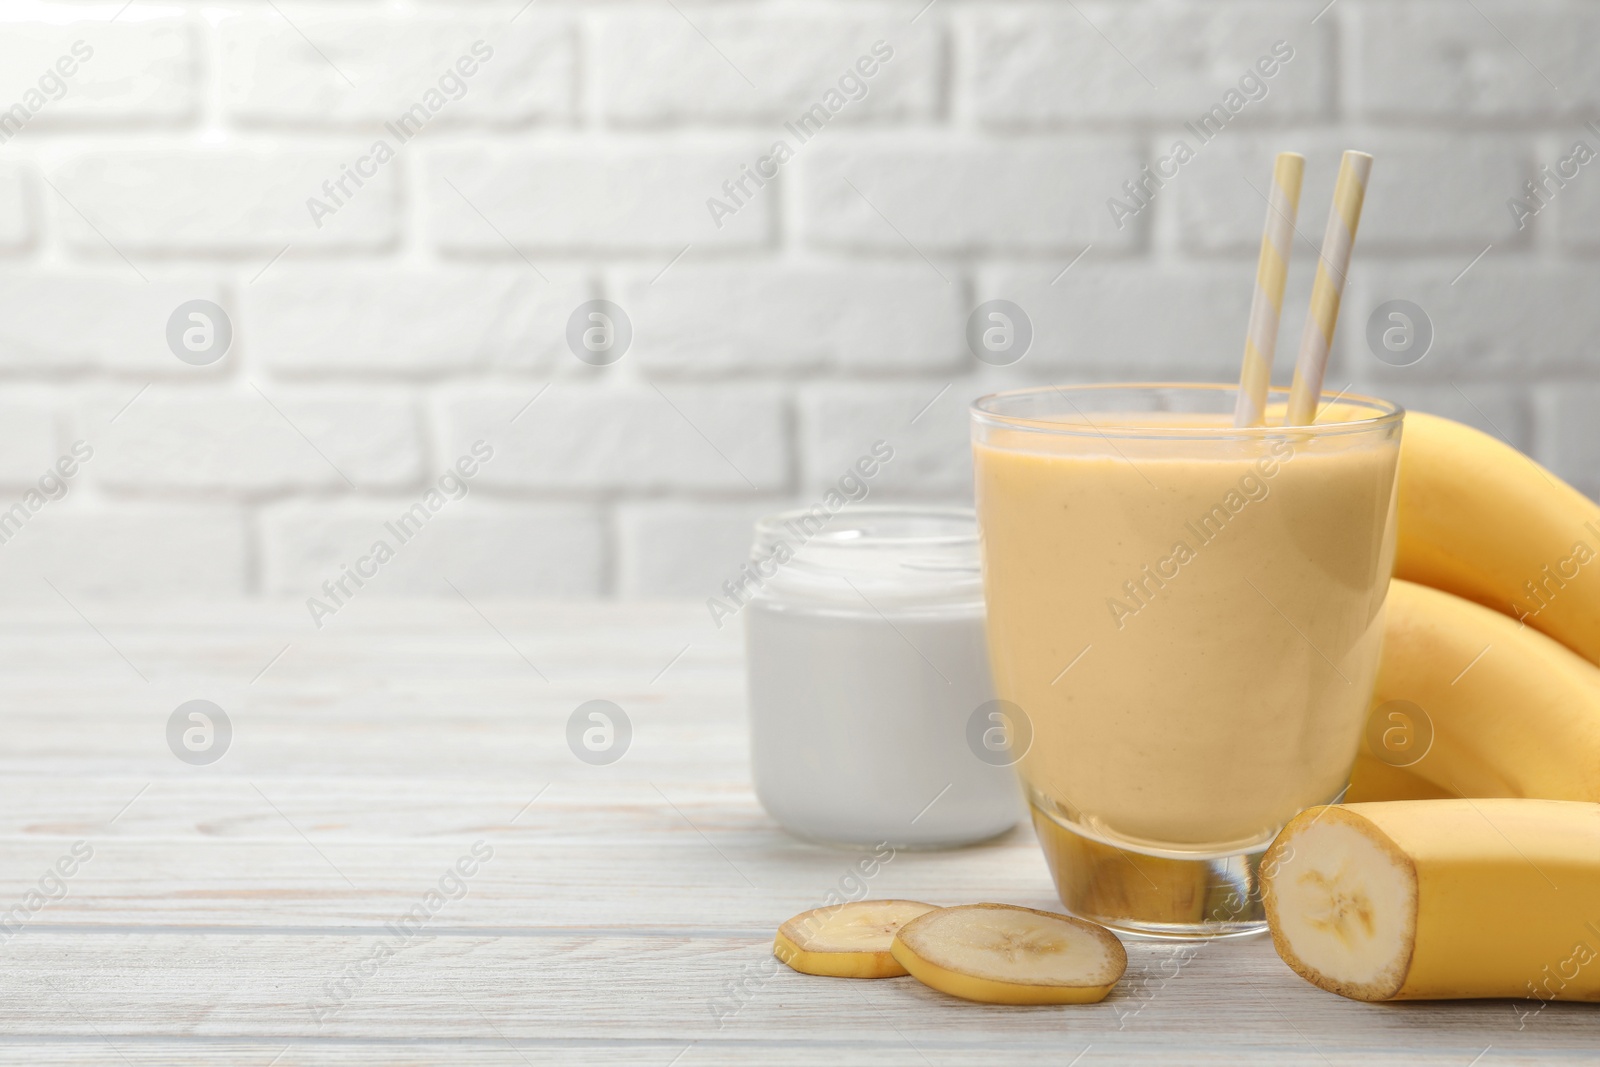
pixel 1188 615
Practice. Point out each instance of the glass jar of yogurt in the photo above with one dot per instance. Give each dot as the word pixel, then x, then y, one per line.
pixel 872 715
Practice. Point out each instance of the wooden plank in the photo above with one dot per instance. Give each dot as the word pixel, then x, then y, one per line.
pixel 427 691
pixel 385 640
pixel 209 808
pixel 657 872
pixel 494 1051
pixel 1231 996
pixel 465 733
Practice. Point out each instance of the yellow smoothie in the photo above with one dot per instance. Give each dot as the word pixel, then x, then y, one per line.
pixel 1192 625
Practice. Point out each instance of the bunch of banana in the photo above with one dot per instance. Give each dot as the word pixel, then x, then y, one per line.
pixel 1488 691
pixel 1483 521
pixel 1511 713
pixel 1493 628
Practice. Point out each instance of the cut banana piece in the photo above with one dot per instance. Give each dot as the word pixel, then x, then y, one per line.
pixel 999 954
pixel 847 940
pixel 1440 899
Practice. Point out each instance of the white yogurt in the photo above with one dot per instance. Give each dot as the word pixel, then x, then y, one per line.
pixel 866 665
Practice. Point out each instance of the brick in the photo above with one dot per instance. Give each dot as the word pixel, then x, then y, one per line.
pixel 28 443
pixel 683 549
pixel 1135 321
pixel 963 194
pixel 762 318
pixel 1414 206
pixel 485 548
pixel 1047 65
pixel 222 200
pixel 16 227
pixel 1573 211
pixel 244 443
pixel 654 66
pixel 1451 61
pixel 932 453
pixel 46 330
pixel 1497 411
pixel 136 68
pixel 270 74
pixel 569 196
pixel 319 320
pixel 1506 318
pixel 1568 444
pixel 594 438
pixel 128 552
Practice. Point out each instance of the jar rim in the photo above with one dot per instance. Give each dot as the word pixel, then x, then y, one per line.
pixel 873 558
pixel 991 410
pixel 894 522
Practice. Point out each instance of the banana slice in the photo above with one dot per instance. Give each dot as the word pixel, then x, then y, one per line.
pixel 847 940
pixel 998 954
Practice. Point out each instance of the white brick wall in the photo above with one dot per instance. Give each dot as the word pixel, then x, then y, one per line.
pixel 652 66
pixel 582 437
pixel 383 321
pixel 1048 65
pixel 92 317
pixel 27 438
pixel 582 196
pixel 251 443
pixel 962 193
pixel 802 319
pixel 271 77
pixel 145 67
pixel 571 156
pixel 15 226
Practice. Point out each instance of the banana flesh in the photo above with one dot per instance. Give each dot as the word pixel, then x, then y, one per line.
pixel 999 954
pixel 847 940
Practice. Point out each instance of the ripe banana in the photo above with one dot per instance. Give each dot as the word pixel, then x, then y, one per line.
pixel 1481 520
pixel 1440 899
pixel 1513 713
pixel 847 940
pixel 1372 779
pixel 998 954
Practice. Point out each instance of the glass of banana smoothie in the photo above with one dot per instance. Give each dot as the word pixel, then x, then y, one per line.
pixel 1189 615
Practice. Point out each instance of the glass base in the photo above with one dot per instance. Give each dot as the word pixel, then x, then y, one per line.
pixel 932 844
pixel 1153 896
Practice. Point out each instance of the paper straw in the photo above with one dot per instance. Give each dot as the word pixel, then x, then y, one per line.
pixel 1326 291
pixel 1266 306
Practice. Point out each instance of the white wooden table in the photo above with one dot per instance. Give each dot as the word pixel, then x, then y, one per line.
pixel 625 908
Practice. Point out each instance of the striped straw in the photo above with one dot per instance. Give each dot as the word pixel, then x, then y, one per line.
pixel 1277 241
pixel 1328 288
